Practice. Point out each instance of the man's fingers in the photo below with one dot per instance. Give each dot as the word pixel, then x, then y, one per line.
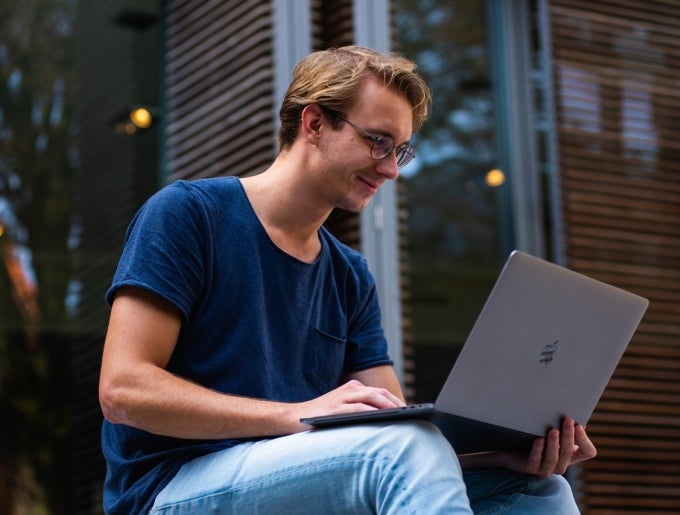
pixel 554 453
pixel 395 400
pixel 356 392
pixel 586 448
pixel 551 453
pixel 566 452
pixel 535 459
pixel 381 398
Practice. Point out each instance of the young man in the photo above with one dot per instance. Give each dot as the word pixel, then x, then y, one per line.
pixel 235 313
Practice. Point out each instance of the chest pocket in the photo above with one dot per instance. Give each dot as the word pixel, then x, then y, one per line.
pixel 325 357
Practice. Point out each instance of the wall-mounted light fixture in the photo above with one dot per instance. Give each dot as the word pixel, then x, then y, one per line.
pixel 141 117
pixel 135 119
pixel 494 178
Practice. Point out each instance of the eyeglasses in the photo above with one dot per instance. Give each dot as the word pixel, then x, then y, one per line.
pixel 381 146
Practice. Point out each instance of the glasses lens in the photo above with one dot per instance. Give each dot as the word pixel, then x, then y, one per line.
pixel 404 155
pixel 381 147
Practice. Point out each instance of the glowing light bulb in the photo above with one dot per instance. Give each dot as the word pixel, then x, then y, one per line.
pixel 141 117
pixel 494 178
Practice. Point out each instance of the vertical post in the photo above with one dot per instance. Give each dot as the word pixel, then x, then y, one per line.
pixel 292 42
pixel 510 43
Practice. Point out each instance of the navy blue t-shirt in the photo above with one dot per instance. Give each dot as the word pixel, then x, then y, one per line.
pixel 256 321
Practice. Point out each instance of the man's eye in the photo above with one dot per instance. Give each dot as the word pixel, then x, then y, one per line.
pixel 382 143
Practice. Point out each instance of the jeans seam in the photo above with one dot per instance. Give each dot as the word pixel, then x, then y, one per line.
pixel 512 500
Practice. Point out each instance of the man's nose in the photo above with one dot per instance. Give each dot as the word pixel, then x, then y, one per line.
pixel 387 166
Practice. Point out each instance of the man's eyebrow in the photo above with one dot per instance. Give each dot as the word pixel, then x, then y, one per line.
pixel 379 132
pixel 389 135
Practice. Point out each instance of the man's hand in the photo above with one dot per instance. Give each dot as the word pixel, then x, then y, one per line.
pixel 350 397
pixel 554 453
pixel 550 455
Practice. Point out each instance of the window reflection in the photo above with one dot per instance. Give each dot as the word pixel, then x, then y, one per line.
pixel 453 187
pixel 68 187
pixel 36 93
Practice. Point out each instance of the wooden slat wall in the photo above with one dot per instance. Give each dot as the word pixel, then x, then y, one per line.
pixel 219 79
pixel 617 85
pixel 409 383
pixel 333 23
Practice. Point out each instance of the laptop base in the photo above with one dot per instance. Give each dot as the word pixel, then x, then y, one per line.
pixel 464 434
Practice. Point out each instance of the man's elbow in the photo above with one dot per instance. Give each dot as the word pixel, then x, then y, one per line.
pixel 112 400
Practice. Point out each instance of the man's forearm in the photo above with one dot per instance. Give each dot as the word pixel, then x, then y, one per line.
pixel 164 404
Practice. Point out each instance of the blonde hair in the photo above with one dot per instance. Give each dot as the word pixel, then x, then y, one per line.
pixel 331 79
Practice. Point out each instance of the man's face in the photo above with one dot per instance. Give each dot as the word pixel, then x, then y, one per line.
pixel 350 176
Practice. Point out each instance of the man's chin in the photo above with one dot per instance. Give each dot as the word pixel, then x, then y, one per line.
pixel 353 207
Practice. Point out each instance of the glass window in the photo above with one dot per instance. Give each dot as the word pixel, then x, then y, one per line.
pixel 37 154
pixel 73 169
pixel 453 187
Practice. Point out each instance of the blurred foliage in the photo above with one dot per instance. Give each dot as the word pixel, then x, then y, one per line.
pixel 36 165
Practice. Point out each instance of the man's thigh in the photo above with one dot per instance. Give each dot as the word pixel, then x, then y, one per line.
pixel 377 468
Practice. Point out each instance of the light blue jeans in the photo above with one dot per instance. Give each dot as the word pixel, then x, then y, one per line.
pixel 404 468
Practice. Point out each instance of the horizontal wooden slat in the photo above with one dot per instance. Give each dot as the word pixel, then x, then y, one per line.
pixel 669 469
pixel 618 15
pixel 219 88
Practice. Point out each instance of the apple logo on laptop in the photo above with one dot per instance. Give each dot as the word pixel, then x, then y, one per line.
pixel 548 351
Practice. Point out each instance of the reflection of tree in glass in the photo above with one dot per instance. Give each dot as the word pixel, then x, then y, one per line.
pixel 450 207
pixel 453 214
pixel 35 211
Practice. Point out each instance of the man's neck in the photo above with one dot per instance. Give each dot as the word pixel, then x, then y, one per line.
pixel 289 212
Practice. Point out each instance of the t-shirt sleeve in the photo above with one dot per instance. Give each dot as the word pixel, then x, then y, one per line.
pixel 366 342
pixel 164 249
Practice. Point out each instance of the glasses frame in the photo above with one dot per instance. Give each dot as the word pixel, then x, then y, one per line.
pixel 404 153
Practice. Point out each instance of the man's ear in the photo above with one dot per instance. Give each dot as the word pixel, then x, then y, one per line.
pixel 312 119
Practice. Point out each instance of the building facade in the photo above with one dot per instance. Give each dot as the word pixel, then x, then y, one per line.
pixel 554 130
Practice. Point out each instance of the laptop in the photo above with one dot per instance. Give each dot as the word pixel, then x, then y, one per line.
pixel 543 348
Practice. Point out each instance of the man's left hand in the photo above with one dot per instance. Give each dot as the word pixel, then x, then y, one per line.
pixel 554 453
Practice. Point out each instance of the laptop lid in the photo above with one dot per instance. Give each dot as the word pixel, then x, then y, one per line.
pixel 543 347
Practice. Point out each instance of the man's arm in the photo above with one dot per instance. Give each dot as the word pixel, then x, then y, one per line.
pixel 135 388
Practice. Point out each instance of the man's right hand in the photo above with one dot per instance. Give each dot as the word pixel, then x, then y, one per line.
pixel 374 388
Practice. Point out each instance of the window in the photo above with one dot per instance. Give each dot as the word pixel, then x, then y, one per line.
pixel 454 187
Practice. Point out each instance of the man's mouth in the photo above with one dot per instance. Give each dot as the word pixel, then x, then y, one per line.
pixel 370 185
